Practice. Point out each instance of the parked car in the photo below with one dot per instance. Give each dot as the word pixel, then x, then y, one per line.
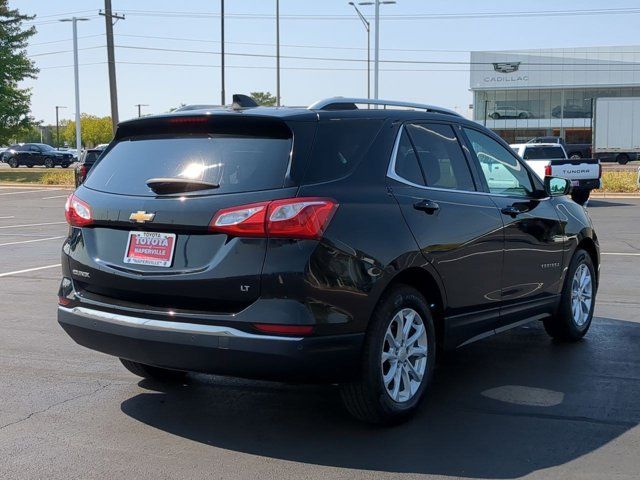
pixel 574 150
pixel 32 154
pixel 616 130
pixel 509 112
pixel 550 159
pixel 209 241
pixel 571 110
pixel 89 158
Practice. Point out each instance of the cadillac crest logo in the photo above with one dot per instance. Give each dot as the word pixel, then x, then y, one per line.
pixel 506 67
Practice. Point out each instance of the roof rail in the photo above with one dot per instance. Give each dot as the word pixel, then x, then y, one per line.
pixel 348 103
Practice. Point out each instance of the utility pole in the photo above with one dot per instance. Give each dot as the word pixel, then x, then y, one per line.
pixel 74 21
pixel 278 53
pixel 367 27
pixel 111 62
pixel 222 51
pixel 376 62
pixel 140 105
pixel 58 107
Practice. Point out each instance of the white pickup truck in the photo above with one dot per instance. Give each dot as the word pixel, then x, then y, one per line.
pixel 550 159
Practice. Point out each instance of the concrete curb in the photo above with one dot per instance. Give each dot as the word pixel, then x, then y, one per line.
pixel 615 195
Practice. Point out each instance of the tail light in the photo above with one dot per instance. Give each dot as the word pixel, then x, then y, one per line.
pixel 77 212
pixel 305 218
pixel 547 170
pixel 83 172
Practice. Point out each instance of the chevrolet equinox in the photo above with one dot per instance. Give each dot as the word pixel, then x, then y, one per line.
pixel 344 243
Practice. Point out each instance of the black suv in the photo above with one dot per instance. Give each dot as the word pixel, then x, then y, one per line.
pixel 31 154
pixel 339 243
pixel 86 163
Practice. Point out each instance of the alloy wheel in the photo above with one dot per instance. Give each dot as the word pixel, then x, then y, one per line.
pixel 581 295
pixel 404 355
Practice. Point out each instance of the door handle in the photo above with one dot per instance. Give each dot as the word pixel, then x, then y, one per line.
pixel 428 206
pixel 511 210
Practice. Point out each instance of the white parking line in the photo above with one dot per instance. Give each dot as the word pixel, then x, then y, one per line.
pixel 622 254
pixel 32 225
pixel 31 191
pixel 55 196
pixel 8 216
pixel 31 241
pixel 7 274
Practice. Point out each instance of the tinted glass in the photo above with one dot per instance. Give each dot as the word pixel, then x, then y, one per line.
pixel 339 147
pixel 91 156
pixel 441 159
pixel 407 166
pixel 543 153
pixel 237 164
pixel 502 171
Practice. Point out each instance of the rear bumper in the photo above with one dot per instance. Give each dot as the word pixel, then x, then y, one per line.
pixel 214 349
pixel 591 184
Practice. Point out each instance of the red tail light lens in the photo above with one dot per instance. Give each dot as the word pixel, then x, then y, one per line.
pixel 284 329
pixel 243 221
pixel 547 171
pixel 83 172
pixel 305 218
pixel 77 212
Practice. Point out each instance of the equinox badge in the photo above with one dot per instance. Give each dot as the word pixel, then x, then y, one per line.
pixel 141 216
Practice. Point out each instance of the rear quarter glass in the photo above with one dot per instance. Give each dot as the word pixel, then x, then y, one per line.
pixel 236 163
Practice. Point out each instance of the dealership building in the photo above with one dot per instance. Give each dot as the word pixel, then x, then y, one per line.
pixel 530 93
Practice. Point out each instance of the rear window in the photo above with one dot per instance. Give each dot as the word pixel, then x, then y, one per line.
pixel 339 146
pixel 543 153
pixel 91 156
pixel 236 163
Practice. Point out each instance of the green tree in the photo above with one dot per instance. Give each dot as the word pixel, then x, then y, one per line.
pixel 94 130
pixel 264 98
pixel 15 66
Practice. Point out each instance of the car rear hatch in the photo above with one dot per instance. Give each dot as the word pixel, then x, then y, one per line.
pixel 153 247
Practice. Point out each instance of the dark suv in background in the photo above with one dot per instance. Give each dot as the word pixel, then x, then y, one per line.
pixel 32 154
pixel 333 243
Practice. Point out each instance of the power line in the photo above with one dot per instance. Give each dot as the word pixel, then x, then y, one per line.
pixel 63 51
pixel 417 16
pixel 338 59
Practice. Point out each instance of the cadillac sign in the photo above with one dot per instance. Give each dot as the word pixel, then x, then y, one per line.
pixel 506 67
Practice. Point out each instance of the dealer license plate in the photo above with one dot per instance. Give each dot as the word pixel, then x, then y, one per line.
pixel 150 248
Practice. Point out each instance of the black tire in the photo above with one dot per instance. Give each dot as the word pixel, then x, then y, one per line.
pixel 523 115
pixel 29 166
pixel 48 163
pixel 622 159
pixel 562 326
pixel 13 162
pixel 495 115
pixel 580 196
pixel 154 373
pixel 64 165
pixel 367 398
pixel 575 156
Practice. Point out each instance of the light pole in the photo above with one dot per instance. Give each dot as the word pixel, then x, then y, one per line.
pixel 58 107
pixel 278 53
pixel 74 21
pixel 376 62
pixel 367 27
pixel 140 105
pixel 221 53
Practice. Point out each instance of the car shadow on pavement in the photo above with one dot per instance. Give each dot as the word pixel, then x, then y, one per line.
pixel 501 408
pixel 607 203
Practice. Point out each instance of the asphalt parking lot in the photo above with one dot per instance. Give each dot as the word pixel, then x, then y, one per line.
pixel 515 405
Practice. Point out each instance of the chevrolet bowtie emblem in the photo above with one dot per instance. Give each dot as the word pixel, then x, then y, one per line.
pixel 141 216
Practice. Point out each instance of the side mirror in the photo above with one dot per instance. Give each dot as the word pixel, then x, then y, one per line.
pixel 556 186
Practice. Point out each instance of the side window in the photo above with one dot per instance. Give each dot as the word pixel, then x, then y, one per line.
pixel 339 147
pixel 502 171
pixel 441 159
pixel 33 148
pixel 407 162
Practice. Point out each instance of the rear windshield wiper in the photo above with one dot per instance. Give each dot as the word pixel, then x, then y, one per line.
pixel 165 186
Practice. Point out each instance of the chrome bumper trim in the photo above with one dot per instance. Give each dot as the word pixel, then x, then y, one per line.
pixel 166 326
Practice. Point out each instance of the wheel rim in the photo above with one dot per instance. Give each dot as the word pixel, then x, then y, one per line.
pixel 404 355
pixel 581 294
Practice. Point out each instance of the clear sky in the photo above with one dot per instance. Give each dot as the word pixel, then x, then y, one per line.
pixel 417 30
